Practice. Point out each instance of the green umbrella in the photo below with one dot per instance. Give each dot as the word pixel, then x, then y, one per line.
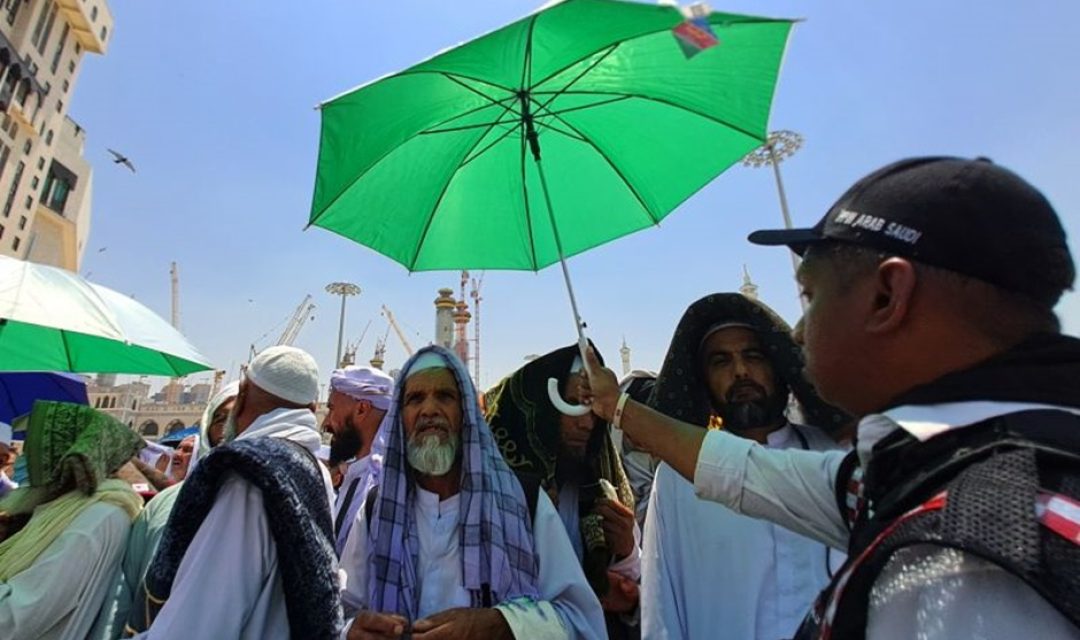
pixel 576 125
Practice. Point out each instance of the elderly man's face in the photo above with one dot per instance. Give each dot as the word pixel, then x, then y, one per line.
pixel 182 458
pixel 575 431
pixel 431 416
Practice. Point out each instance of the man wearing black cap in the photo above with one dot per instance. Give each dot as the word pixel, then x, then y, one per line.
pixel 930 287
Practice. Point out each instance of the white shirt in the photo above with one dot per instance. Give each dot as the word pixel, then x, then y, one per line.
pixel 705 567
pixel 568 609
pixel 927 592
pixel 228 585
pixel 60 595
pixel 354 474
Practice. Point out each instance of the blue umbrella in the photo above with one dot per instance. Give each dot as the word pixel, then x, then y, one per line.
pixel 176 437
pixel 19 390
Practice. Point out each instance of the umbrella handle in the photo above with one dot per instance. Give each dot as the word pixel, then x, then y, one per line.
pixel 562 405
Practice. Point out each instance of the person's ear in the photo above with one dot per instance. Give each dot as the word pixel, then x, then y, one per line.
pixel 894 287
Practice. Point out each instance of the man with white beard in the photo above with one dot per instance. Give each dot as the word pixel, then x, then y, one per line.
pixel 449 544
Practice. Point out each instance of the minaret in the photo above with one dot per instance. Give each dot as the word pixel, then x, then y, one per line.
pixel 461 322
pixel 379 359
pixel 444 318
pixel 748 288
pixel 625 352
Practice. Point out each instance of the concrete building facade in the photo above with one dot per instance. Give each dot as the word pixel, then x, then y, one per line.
pixel 45 183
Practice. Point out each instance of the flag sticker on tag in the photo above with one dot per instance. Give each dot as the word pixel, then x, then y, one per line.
pixel 695 35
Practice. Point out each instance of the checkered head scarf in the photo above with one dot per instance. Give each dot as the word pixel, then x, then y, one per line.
pixel 497 549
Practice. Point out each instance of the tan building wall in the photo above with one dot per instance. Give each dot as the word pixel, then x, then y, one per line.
pixel 44 181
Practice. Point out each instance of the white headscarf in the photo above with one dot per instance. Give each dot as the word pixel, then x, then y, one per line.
pixel 221 397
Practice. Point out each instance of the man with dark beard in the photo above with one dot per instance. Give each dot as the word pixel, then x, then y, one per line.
pixel 731 361
pixel 359 398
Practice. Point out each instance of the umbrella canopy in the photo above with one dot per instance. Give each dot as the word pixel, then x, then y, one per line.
pixel 176 437
pixel 18 391
pixel 438 166
pixel 53 320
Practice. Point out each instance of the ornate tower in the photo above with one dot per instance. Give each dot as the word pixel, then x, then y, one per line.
pixel 748 288
pixel 624 351
pixel 444 318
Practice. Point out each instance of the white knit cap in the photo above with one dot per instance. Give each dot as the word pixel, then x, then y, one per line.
pixel 364 383
pixel 286 372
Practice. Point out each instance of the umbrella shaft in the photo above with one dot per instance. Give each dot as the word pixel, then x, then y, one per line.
pixel 578 324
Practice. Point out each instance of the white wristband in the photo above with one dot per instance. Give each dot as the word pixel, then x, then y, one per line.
pixel 619 406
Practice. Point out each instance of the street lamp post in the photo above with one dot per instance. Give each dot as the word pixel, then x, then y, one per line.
pixel 779 146
pixel 343 289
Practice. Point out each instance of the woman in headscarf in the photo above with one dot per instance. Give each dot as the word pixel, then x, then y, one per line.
pixel 58 566
pixel 576 462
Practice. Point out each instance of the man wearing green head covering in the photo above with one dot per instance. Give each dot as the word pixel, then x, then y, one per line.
pixel 63 533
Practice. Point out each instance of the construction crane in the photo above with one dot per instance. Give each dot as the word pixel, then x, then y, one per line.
pixel 174 275
pixel 297 321
pixel 292 329
pixel 397 330
pixel 474 293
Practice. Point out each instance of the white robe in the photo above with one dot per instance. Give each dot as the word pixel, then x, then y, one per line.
pixel 354 473
pixel 228 585
pixel 60 595
pixel 568 609
pixel 705 567
pixel 927 592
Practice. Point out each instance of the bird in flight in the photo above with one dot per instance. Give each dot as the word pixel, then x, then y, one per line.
pixel 119 158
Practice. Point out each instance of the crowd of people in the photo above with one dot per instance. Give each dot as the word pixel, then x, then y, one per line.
pixel 901 464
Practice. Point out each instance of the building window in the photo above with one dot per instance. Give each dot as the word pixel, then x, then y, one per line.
pixel 11 7
pixel 93 13
pixel 78 50
pixel 15 243
pixel 34 182
pixel 40 26
pixel 5 153
pixel 27 147
pixel 14 188
pixel 48 29
pixel 40 163
pixel 48 137
pixel 22 222
pixel 104 32
pixel 60 48
pixel 71 65
pixel 59 184
pixel 29 202
pixel 59 105
pixel 1 231
pixel 67 85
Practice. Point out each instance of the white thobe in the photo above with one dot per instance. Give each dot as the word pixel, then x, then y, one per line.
pixel 228 585
pixel 349 498
pixel 567 609
pixel 60 595
pixel 927 592
pixel 705 567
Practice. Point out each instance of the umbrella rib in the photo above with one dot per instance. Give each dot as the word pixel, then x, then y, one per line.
pixel 587 106
pixel 457 81
pixel 459 116
pixel 438 201
pixel 526 66
pixel 67 350
pixel 668 103
pixel 611 164
pixel 528 210
pixel 412 72
pixel 581 75
pixel 481 152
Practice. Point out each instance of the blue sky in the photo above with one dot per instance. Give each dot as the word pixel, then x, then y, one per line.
pixel 213 101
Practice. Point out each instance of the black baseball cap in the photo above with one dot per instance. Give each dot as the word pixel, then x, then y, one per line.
pixel 969 216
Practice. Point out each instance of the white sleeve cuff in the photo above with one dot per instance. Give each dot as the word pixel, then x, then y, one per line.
pixel 531 620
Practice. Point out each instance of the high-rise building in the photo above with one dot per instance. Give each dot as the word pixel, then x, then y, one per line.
pixel 44 179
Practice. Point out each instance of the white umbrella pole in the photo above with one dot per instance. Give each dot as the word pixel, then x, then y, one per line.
pixel 554 393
